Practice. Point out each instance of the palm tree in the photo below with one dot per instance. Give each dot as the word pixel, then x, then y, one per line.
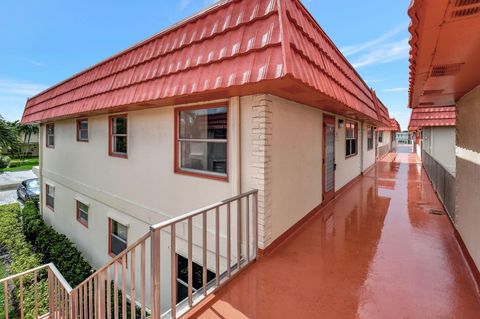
pixel 8 135
pixel 26 131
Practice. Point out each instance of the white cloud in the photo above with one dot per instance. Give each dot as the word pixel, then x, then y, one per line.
pixel 384 53
pixel 20 88
pixel 396 90
pixel 32 62
pixel 14 94
pixel 357 48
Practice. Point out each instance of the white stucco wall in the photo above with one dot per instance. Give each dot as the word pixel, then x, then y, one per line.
pixel 296 162
pixel 439 142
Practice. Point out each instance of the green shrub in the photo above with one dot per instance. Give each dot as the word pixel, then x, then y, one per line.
pixel 4 161
pixel 23 258
pixel 55 247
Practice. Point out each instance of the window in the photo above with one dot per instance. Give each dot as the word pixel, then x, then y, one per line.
pixel 82 130
pixel 82 213
pixel 350 138
pixel 380 137
pixel 182 277
pixel 118 135
pixel 50 196
pixel 369 138
pixel 117 238
pixel 50 135
pixel 202 141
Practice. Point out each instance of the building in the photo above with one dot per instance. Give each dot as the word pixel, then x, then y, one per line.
pixel 403 137
pixel 445 102
pixel 245 95
pixel 386 137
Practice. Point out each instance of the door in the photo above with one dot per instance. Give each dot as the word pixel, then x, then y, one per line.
pixel 328 158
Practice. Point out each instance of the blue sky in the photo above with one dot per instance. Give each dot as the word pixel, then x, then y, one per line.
pixel 44 42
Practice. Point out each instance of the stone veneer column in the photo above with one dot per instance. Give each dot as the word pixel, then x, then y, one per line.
pixel 261 162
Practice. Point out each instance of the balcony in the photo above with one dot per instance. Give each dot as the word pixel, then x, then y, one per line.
pixel 379 250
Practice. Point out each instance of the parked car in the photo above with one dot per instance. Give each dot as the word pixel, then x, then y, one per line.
pixel 29 189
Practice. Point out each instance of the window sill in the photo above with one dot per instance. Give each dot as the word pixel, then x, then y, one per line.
pixel 201 175
pixel 351 155
pixel 50 208
pixel 83 141
pixel 118 155
pixel 52 147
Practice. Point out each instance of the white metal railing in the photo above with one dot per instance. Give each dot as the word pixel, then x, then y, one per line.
pixel 58 292
pixel 223 235
pixel 250 242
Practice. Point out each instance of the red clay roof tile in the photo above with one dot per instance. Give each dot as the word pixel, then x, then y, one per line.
pixel 233 44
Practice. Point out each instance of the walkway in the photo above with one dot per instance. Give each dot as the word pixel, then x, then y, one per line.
pixel 377 251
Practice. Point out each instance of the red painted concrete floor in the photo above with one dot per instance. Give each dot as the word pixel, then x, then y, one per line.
pixel 374 252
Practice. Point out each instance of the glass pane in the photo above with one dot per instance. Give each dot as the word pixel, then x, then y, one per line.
pixel 50 190
pixel 353 146
pixel 83 134
pixel 83 124
pixel 50 201
pixel 51 140
pixel 117 245
pixel 119 230
pixel 83 217
pixel 50 129
pixel 204 156
pixel 83 207
pixel 120 144
pixel 349 130
pixel 119 125
pixel 205 123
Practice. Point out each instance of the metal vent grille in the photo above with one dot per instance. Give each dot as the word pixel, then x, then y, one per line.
pixel 432 92
pixel 446 69
pixel 465 12
pixel 462 3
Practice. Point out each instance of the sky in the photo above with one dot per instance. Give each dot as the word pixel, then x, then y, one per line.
pixel 44 42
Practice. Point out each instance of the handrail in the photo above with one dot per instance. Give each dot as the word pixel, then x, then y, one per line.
pixel 115 259
pixel 199 211
pixel 58 287
pixel 12 277
pixel 104 293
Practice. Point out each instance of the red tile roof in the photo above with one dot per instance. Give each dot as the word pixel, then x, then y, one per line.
pixel 393 126
pixel 234 47
pixel 432 116
pixel 444 51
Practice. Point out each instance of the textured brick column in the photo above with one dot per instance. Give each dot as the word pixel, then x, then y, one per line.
pixel 262 165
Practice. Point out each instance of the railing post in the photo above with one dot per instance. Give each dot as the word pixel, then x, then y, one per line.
pixel 255 220
pixel 50 293
pixel 155 273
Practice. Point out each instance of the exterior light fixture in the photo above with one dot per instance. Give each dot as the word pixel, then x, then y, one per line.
pixel 340 123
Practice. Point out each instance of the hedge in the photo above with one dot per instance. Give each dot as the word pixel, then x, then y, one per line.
pixel 54 247
pixel 23 258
